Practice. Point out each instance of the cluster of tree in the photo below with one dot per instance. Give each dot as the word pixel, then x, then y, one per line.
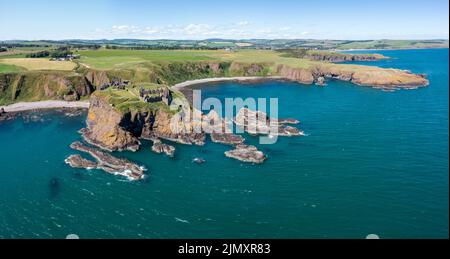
pixel 60 52
pixel 3 49
pixel 40 54
pixel 15 45
pixel 86 46
pixel 160 47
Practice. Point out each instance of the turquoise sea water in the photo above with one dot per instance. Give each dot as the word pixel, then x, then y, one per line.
pixel 373 162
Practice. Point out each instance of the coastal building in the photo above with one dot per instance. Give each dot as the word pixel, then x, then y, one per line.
pixel 69 57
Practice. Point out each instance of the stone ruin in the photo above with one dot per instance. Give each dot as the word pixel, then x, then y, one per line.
pixel 156 95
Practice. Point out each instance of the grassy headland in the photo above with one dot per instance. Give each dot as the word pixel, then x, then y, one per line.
pixel 34 79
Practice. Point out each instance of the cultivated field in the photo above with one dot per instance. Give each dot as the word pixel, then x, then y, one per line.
pixel 39 64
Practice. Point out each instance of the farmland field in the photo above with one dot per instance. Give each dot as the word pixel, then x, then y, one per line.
pixel 107 59
pixel 39 64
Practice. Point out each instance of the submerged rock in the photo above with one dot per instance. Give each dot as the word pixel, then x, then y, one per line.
pixel 320 81
pixel 5 116
pixel 246 153
pixel 288 121
pixel 109 163
pixel 55 187
pixel 198 160
pixel 159 147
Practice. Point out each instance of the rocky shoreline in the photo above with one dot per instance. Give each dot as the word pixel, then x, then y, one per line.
pixel 124 131
pixel 38 114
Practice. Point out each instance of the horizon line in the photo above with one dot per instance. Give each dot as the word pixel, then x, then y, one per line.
pixel 229 39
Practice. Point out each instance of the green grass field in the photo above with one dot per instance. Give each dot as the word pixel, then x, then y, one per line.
pixel 109 59
pixel 5 68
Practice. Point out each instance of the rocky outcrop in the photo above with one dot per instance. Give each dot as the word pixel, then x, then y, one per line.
pixel 106 127
pixel 341 57
pixel 97 78
pixel 246 153
pixel 159 147
pixel 361 75
pixel 301 75
pixel 371 76
pixel 259 123
pixel 227 138
pixel 76 161
pixel 175 130
pixel 105 162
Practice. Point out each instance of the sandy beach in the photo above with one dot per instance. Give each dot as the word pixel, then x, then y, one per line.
pixel 221 79
pixel 25 106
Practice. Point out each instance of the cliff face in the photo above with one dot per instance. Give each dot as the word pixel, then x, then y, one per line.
pixel 372 76
pixel 329 56
pixel 107 127
pixel 300 75
pixel 360 75
pixel 43 86
pixel 338 57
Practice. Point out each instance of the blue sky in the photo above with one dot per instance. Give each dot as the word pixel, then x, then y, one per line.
pixel 172 19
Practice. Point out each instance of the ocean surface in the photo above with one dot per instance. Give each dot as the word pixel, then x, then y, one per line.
pixel 372 162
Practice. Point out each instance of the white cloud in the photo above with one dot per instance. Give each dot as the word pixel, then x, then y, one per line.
pixel 237 30
pixel 243 23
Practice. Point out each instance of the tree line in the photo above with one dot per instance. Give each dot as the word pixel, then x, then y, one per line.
pixel 160 47
pixel 60 52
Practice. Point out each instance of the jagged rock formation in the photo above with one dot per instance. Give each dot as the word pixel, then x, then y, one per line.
pixel 258 122
pixel 159 147
pixel 105 162
pixel 76 161
pixel 301 75
pixel 106 127
pixel 245 153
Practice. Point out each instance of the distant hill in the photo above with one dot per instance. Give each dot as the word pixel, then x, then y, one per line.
pixel 242 44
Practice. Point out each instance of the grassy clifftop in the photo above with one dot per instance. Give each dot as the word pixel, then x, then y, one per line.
pixel 41 79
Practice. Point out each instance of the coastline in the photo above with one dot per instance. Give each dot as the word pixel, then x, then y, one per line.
pixel 51 104
pixel 349 50
pixel 184 84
